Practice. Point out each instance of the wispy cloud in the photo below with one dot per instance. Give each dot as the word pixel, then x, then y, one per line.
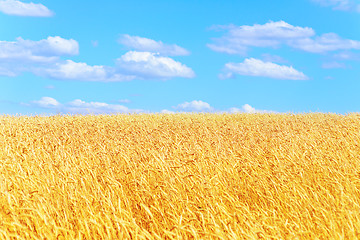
pixel 329 65
pixel 18 8
pixel 258 68
pixel 346 55
pixel 325 43
pixel 273 58
pixel 149 45
pixel 239 39
pixel 342 5
pixel 81 107
pixel 124 101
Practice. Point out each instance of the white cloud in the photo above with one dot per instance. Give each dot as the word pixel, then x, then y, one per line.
pixel 325 43
pixel 81 107
pixel 149 45
pixel 272 34
pixel 18 8
pixel 258 68
pixel 239 39
pixel 46 102
pixel 165 111
pixel 45 50
pixel 194 106
pixel 342 5
pixel 70 70
pixel 328 65
pixel 246 108
pixel 149 65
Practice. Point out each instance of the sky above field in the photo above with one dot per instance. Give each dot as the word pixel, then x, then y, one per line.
pixel 123 56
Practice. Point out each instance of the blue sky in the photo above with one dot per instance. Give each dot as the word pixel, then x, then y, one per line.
pixel 179 56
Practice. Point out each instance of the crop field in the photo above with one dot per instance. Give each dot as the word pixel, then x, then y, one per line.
pixel 180 176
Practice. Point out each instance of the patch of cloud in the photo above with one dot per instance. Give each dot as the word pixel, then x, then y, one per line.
pixel 81 107
pixel 258 68
pixel 45 50
pixel 147 65
pixel 246 108
pixel 347 55
pixel 342 5
pixel 5 71
pixel 165 111
pixel 194 106
pixel 325 43
pixel 238 39
pixel 46 102
pixel 273 58
pixel 70 70
pixel 148 45
pixel 124 101
pixel 18 8
pixel 329 65
pixel 95 43
pixel 50 87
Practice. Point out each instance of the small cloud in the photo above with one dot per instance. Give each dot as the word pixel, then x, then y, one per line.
pixel 165 111
pixel 328 65
pixel 346 55
pixel 46 102
pixel 18 8
pixel 95 43
pixel 50 87
pixel 147 65
pixel 194 106
pixel 258 68
pixel 124 101
pixel 246 108
pixel 149 45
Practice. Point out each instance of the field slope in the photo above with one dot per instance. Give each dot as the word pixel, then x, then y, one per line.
pixel 182 176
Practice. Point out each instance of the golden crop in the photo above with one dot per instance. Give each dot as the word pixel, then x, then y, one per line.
pixel 182 176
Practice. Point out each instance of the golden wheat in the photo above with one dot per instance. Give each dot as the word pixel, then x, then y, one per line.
pixel 180 176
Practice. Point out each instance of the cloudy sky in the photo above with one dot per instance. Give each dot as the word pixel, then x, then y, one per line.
pixel 122 56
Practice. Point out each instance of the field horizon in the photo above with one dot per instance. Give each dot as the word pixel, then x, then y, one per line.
pixel 180 176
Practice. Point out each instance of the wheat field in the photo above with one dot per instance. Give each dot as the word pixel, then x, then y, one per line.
pixel 180 176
